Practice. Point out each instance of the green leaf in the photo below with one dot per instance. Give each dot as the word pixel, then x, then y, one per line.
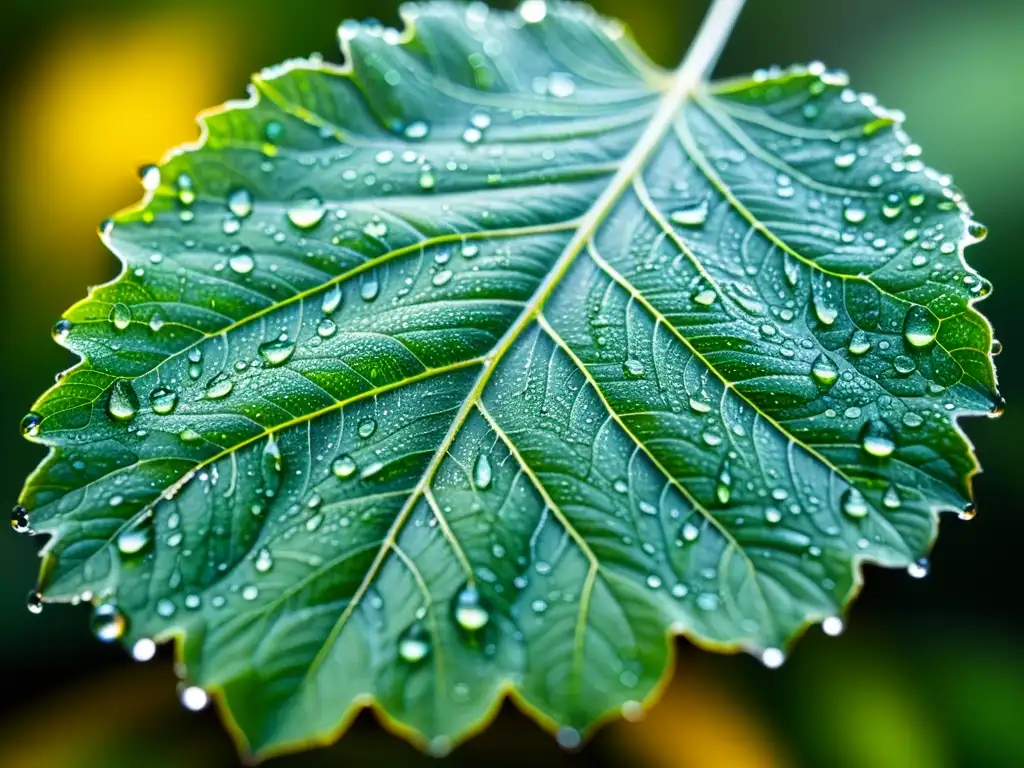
pixel 484 365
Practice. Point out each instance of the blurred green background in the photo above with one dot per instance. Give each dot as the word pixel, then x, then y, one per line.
pixel 928 673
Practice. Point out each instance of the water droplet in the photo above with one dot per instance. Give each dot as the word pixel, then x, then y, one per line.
pixel 854 504
pixel 34 603
pixel 30 424
pixel 108 623
pixel 136 537
pixel 123 403
pixel 427 180
pixel 920 326
pixel 61 329
pixel 271 464
pixel 904 365
pixel 326 328
pixel 772 658
pixel 19 520
pixel 240 203
pixel 533 11
pixel 705 297
pixel 367 427
pixel 891 499
pixel 149 175
pixel 633 369
pixel 370 287
pixel 472 135
pixel 120 316
pixel 384 157
pixel 277 352
pixel 824 370
pixel 264 562
pixel 414 645
pixel 919 568
pixel 561 85
pixel 219 386
pixel 162 400
pixel 694 216
pixel 242 262
pixel 144 649
pixel 832 626
pixel 331 300
pixel 442 277
pixel 690 532
pixel 876 439
pixel 997 348
pixel 469 610
pixel 343 467
pixel 417 130
pixel 977 231
pixel 250 593
pixel 854 214
pixel 845 159
pixel 482 472
pixel 194 698
pixel 969 512
pixel 860 343
pixel 307 213
pixel 723 487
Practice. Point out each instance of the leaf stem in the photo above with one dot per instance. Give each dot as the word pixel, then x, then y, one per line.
pixel 708 44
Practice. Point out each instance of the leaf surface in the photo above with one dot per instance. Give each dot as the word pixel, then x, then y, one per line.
pixel 487 363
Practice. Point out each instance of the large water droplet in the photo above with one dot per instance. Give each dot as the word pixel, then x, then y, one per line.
pixel 326 328
pixel 633 369
pixel 271 464
pixel 920 326
pixel 219 386
pixel 19 519
pixel 369 287
pixel 482 472
pixel 343 467
pixel 469 611
pixel 264 561
pixel 876 439
pixel 30 424
pixel 414 644
pixel 417 130
pixel 240 203
pixel 242 262
pixel 61 330
pixel 194 698
pixel 277 352
pixel 34 602
pixel 134 539
pixel 891 499
pixel 123 403
pixel 162 400
pixel 307 213
pixel 860 343
pixel 824 370
pixel 149 175
pixel 144 649
pixel 108 623
pixel 692 216
pixel 120 316
pixel 854 504
pixel 919 568
pixel 723 486
pixel 367 427
pixel 331 300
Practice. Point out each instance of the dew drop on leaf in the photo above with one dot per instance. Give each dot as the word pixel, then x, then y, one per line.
pixel 343 467
pixel 482 472
pixel 108 623
pixel 219 386
pixel 19 519
pixel 414 645
pixel 242 262
pixel 920 326
pixel 854 504
pixel 277 352
pixel 367 427
pixel 123 403
pixel 693 216
pixel 120 316
pixel 163 400
pixel 469 610
pixel 876 439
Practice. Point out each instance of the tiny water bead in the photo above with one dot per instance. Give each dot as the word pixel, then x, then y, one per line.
pixel 469 610
pixel 414 645
pixel 482 472
pixel 19 519
pixel 367 427
pixel 123 403
pixel 186 189
pixel 163 400
pixel 108 623
pixel 920 326
pixel 277 352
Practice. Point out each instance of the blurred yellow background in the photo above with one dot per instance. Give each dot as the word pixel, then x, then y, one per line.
pixel 929 673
